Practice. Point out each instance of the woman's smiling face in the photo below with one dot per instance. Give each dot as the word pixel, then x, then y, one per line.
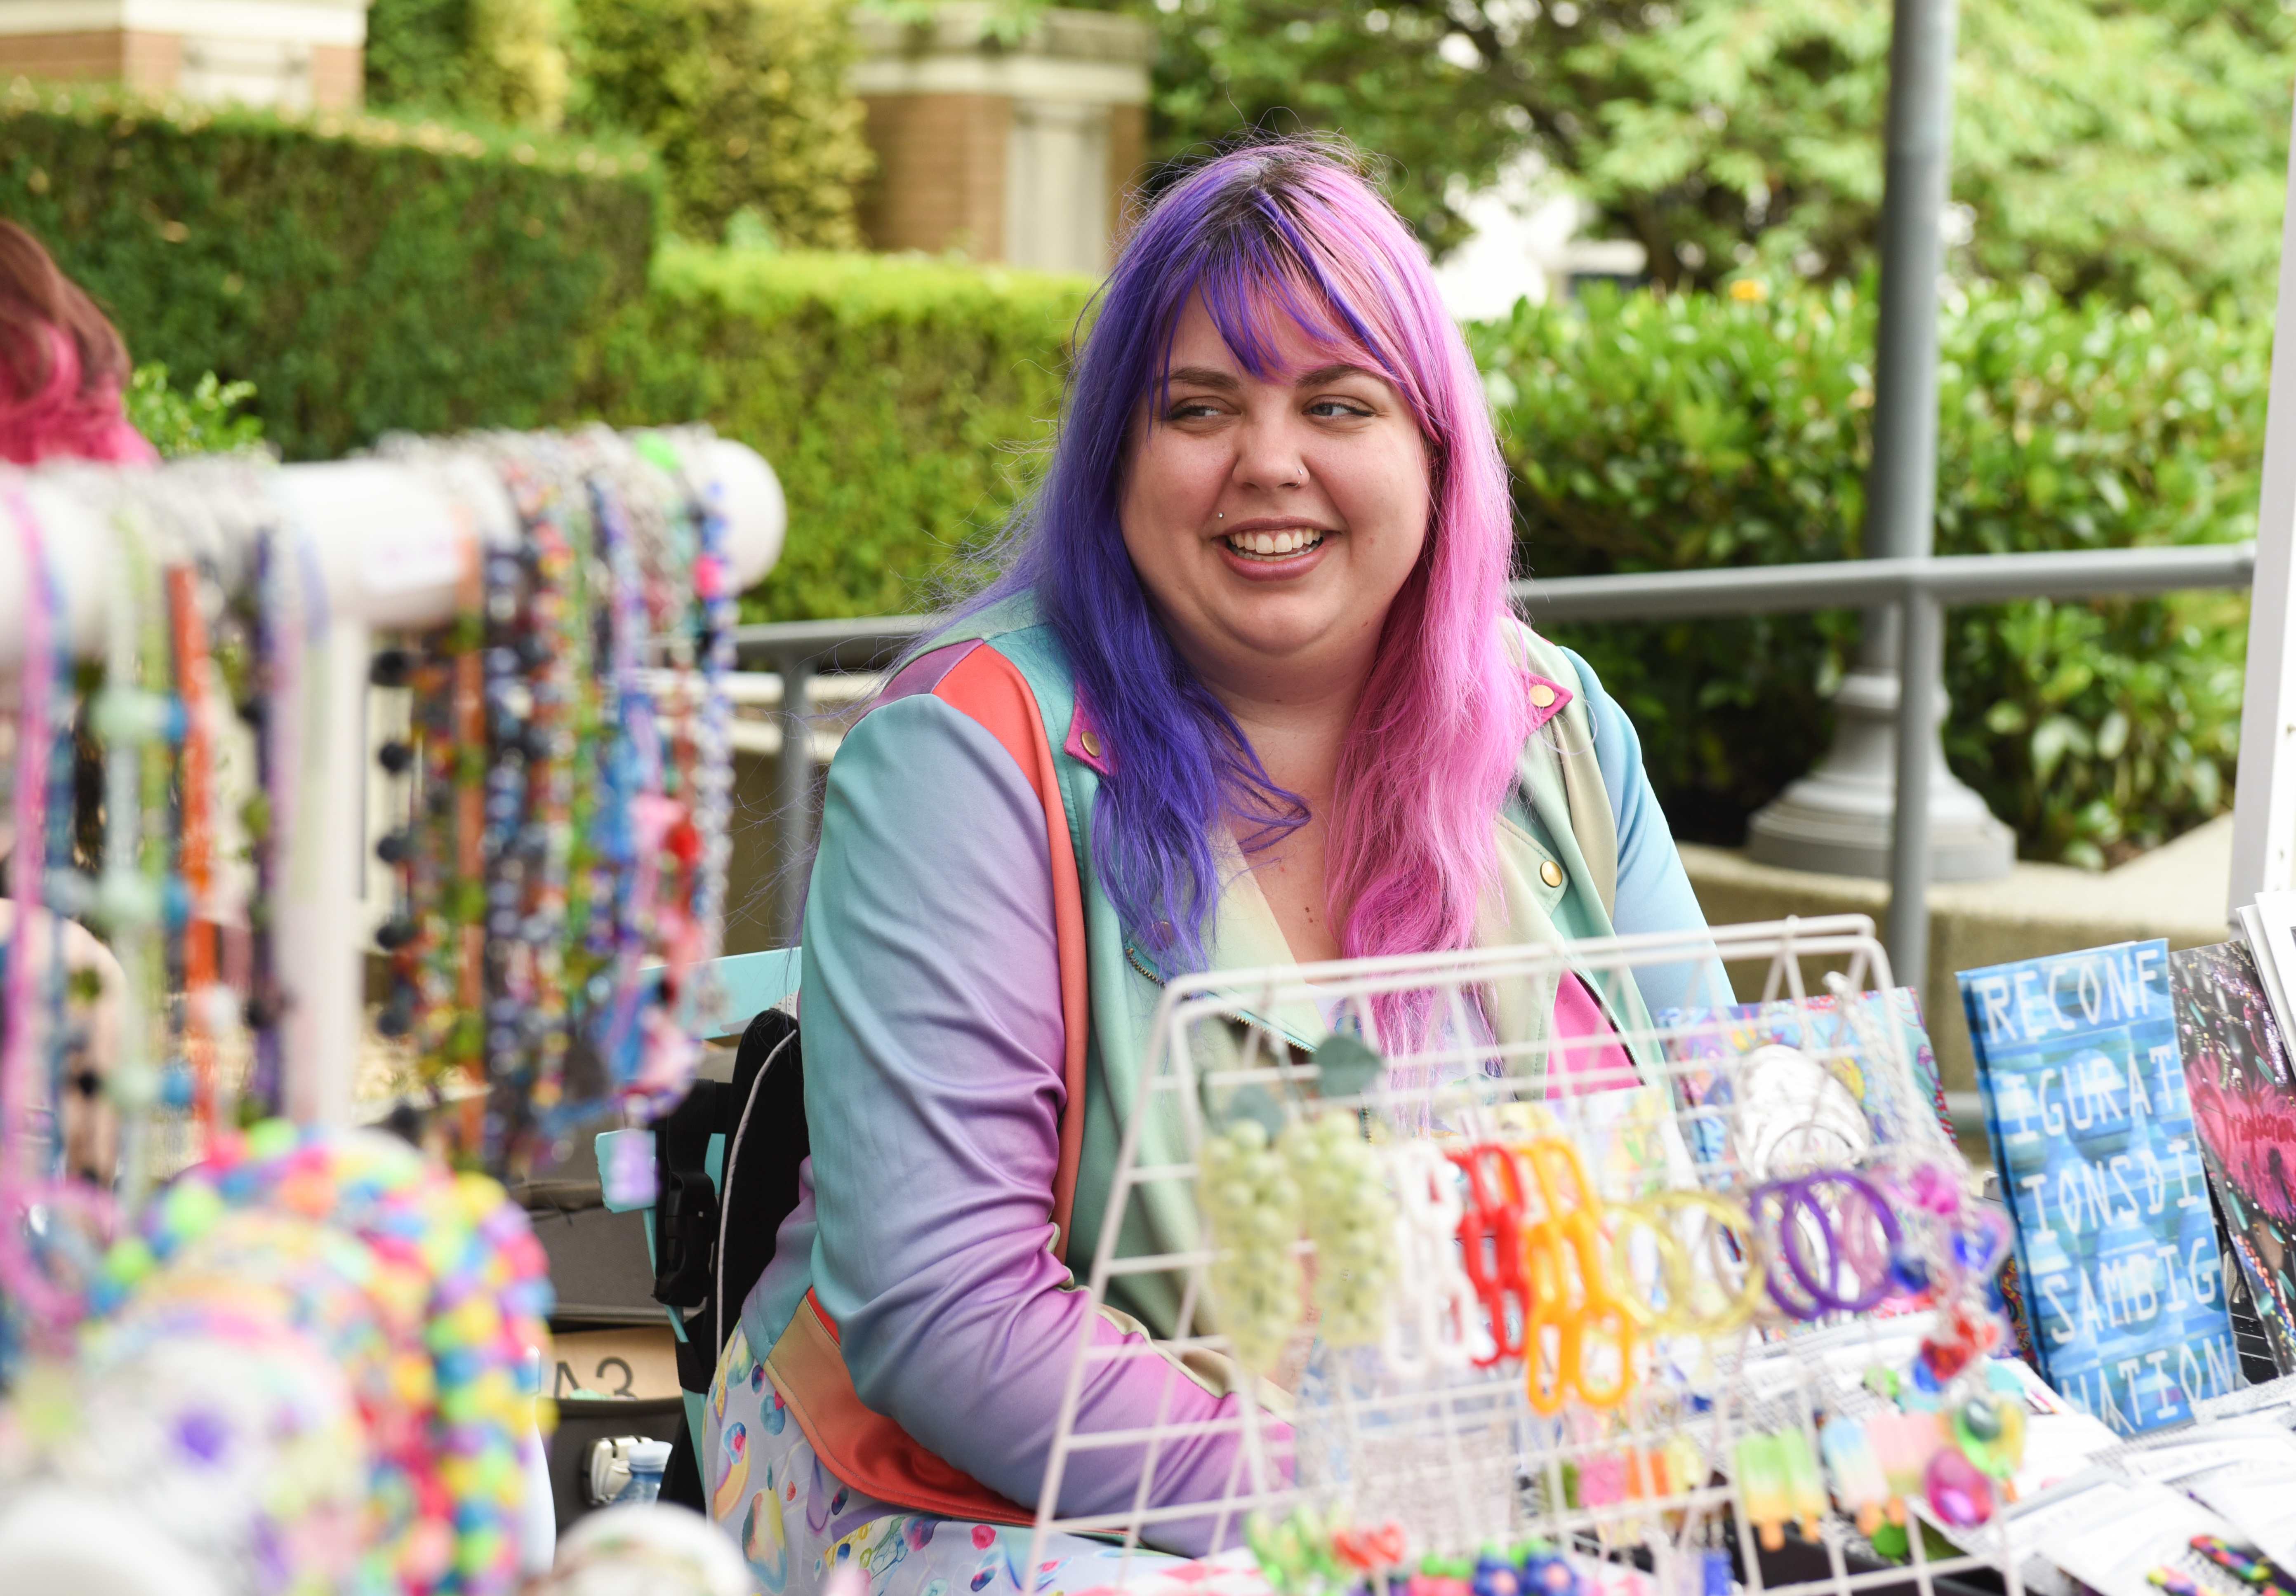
pixel 1273 520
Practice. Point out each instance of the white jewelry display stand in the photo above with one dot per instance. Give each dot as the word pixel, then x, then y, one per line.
pixel 374 543
pixel 1461 1458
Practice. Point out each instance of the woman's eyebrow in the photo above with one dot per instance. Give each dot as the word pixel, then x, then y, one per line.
pixel 1334 372
pixel 1201 376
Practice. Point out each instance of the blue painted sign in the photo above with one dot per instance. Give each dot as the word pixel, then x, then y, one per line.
pixel 2092 1127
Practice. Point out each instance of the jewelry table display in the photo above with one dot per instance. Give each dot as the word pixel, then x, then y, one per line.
pixel 245 1346
pixel 1514 1327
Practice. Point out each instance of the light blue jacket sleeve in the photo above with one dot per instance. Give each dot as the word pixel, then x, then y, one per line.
pixel 1654 892
pixel 934 1057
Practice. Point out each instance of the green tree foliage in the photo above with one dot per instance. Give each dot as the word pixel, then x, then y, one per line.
pixel 900 401
pixel 1667 432
pixel 745 98
pixel 501 61
pixel 2138 147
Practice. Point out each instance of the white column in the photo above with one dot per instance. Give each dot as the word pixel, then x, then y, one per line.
pixel 2264 801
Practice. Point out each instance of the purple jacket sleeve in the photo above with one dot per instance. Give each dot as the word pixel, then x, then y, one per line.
pixel 933 1053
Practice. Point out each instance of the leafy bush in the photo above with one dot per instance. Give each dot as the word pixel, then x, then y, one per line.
pixel 1656 432
pixel 365 273
pixel 895 396
pixel 198 421
pixel 745 98
pixel 500 60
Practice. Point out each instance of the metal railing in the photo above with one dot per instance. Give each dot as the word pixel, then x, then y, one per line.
pixel 1919 589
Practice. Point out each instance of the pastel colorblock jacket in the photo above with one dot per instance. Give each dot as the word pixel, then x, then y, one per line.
pixel 976 1020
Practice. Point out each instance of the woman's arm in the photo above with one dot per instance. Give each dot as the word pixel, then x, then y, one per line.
pixel 1654 892
pixel 934 1050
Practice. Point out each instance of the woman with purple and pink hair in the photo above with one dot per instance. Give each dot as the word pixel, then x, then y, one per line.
pixel 1248 694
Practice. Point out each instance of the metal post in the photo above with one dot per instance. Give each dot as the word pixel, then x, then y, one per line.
pixel 1921 627
pixel 1837 817
pixel 1901 490
pixel 793 815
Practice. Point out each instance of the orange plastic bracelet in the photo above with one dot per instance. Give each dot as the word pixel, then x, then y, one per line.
pixel 1577 1303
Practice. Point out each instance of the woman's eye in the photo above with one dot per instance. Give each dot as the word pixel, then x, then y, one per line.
pixel 1193 410
pixel 1328 409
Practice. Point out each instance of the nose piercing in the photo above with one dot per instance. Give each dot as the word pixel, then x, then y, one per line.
pixel 1223 515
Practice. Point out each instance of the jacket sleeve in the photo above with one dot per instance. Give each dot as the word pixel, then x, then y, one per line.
pixel 1654 892
pixel 933 1057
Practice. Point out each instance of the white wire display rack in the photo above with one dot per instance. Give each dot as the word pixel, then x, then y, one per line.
pixel 1457 1455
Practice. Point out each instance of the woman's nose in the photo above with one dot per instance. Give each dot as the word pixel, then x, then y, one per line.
pixel 1269 455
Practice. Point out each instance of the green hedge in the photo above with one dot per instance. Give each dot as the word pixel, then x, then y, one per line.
pixel 899 398
pixel 1667 433
pixel 365 273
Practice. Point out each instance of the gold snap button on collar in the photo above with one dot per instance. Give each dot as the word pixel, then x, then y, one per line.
pixel 1091 741
pixel 1551 873
pixel 1541 694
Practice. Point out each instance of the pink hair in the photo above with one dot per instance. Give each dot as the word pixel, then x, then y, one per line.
pixel 62 365
pixel 64 418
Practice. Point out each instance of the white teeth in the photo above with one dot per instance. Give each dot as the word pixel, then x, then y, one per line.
pixel 1274 543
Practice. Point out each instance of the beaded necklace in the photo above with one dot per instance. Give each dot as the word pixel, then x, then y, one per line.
pixel 133 897
pixel 200 974
pixel 531 699
pixel 709 725
pixel 41 1218
pixel 274 672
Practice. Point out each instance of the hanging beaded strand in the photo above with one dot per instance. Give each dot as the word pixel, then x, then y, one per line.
pixel 208 1005
pixel 274 673
pixel 711 780
pixel 134 900
pixel 531 695
pixel 617 933
pixel 561 626
pixel 33 1032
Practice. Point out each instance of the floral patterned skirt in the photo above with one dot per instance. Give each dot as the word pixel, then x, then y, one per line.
pixel 797 1523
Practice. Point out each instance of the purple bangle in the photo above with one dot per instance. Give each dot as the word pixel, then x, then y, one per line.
pixel 1803 1194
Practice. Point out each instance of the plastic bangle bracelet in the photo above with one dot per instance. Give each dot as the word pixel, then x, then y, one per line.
pixel 1576 1303
pixel 1490 1243
pixel 1847 1246
pixel 1431 1287
pixel 1864 1250
pixel 1780 1281
pixel 1656 1215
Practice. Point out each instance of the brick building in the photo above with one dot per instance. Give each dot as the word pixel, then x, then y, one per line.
pixel 286 53
pixel 1020 151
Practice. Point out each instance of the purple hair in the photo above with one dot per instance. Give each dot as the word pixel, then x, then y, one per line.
pixel 1285 228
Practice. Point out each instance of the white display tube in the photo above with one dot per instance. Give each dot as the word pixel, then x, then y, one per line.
pixel 386 545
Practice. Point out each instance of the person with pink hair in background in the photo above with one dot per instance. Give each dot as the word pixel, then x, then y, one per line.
pixel 63 367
